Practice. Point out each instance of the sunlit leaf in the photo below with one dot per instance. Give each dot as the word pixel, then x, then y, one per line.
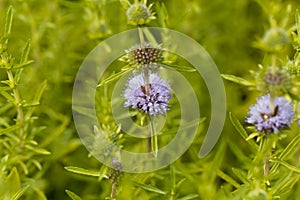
pixel 190 196
pixel 179 68
pixel 19 194
pixel 238 126
pixel 227 178
pixel 12 183
pixel 8 22
pixel 149 188
pixel 72 195
pixel 87 172
pixel 238 80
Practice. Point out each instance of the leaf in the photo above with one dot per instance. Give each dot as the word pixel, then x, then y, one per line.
pixel 38 150
pixel 8 129
pixel 238 126
pixel 238 80
pixel 125 4
pixel 78 170
pixel 22 65
pixel 150 36
pixel 72 195
pixel 102 172
pixel 36 99
pixel 25 53
pixel 227 178
pixel 188 197
pixel 287 165
pixel 179 68
pixel 162 15
pixel 241 192
pixel 286 151
pixel 8 22
pixel 20 193
pixel 113 77
pixel 282 182
pixel 12 183
pixel 240 174
pixel 7 96
pixel 149 188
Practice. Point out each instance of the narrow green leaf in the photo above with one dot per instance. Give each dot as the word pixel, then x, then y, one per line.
pixel 37 98
pixel 162 15
pixel 8 129
pixel 25 53
pixel 102 172
pixel 188 197
pixel 125 4
pixel 240 174
pixel 179 68
pixel 24 64
pixel 180 182
pixel 113 77
pixel 240 192
pixel 227 178
pixel 286 151
pixel 78 170
pixel 72 195
pixel 8 22
pixel 283 180
pixel 238 80
pixel 287 165
pixel 12 183
pixel 7 96
pixel 149 188
pixel 238 126
pixel 37 150
pixel 173 176
pixel 5 88
pixel 20 193
pixel 150 37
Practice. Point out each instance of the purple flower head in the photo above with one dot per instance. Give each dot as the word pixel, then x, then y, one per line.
pixel 271 115
pixel 152 98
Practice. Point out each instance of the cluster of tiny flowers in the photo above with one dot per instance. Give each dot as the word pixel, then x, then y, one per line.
pixel 144 56
pixel 152 98
pixel 271 115
pixel 139 14
pixel 276 78
pixel 116 171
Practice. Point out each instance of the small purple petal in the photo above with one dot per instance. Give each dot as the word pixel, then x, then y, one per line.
pixel 271 116
pixel 154 102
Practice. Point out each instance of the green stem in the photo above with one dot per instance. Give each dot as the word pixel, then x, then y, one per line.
pixel 18 103
pixel 153 137
pixel 113 191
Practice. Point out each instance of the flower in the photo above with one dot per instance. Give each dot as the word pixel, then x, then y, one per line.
pixel 271 115
pixel 143 56
pixel 139 13
pixel 277 79
pixel 152 98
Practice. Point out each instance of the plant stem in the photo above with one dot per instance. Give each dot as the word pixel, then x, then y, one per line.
pixel 113 191
pixel 266 166
pixel 18 103
pixel 152 139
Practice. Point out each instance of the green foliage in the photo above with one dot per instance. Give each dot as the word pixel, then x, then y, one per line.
pixel 42 45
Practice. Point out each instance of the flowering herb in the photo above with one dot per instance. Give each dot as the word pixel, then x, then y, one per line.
pixel 152 98
pixel 139 13
pixel 271 115
pixel 147 56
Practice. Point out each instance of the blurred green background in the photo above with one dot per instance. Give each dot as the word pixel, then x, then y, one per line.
pixel 63 32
